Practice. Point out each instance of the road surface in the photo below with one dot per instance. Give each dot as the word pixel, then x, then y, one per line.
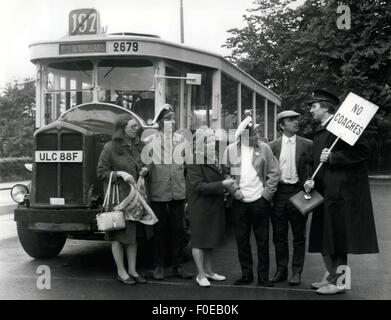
pixel 85 270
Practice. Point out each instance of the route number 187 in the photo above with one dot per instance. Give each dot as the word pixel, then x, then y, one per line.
pixel 83 21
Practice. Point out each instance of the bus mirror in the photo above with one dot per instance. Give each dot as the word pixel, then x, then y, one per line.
pixel 193 78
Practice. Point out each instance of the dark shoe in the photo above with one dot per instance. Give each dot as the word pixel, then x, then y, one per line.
pixel 139 279
pixel 295 279
pixel 182 273
pixel 158 273
pixel 128 281
pixel 244 280
pixel 279 276
pixel 264 282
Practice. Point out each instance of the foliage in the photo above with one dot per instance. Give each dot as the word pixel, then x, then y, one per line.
pixel 12 169
pixel 17 120
pixel 295 50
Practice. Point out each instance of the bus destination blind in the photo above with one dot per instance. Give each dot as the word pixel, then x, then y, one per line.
pixel 90 47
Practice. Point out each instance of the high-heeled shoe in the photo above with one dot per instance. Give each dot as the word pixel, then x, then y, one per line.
pixel 140 279
pixel 216 277
pixel 203 282
pixel 128 281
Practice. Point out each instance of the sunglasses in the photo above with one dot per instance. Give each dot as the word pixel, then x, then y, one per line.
pixel 133 127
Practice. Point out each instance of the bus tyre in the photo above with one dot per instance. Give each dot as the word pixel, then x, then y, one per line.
pixel 40 245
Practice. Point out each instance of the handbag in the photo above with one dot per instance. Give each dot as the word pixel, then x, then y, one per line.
pixel 110 220
pixel 305 202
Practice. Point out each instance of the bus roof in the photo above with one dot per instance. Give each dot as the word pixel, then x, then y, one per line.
pixel 104 46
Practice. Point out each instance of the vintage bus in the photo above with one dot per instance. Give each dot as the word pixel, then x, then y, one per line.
pixel 84 81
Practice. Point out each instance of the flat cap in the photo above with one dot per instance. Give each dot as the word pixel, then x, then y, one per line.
pixel 245 124
pixel 323 95
pixel 287 114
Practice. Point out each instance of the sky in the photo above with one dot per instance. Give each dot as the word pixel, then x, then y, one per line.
pixel 27 21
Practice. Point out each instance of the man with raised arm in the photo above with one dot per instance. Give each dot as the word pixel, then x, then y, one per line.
pixel 255 168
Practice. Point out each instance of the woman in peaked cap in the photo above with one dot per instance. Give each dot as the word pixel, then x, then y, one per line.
pixel 344 224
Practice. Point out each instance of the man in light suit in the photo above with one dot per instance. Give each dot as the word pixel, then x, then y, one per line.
pixel 294 154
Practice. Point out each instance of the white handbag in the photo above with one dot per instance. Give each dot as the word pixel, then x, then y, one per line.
pixel 110 220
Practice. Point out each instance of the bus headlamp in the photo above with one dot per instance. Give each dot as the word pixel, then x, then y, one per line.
pixel 18 192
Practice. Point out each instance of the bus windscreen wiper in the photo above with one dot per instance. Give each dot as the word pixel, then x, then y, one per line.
pixel 81 69
pixel 108 72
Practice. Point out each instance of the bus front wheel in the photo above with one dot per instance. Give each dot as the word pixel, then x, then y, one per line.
pixel 40 245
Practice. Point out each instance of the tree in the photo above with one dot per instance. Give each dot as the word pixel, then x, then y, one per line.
pixel 294 50
pixel 17 120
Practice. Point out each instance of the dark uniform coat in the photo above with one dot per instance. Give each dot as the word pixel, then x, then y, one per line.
pixel 345 223
pixel 205 200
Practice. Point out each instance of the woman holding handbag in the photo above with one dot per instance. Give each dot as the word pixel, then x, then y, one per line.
pixel 121 159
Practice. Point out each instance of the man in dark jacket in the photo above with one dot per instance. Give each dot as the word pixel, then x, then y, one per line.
pixel 294 154
pixel 344 223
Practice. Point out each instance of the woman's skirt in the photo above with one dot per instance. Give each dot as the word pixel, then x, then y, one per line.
pixel 125 236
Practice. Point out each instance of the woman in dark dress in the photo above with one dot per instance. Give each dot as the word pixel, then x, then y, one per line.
pixel 122 157
pixel 205 199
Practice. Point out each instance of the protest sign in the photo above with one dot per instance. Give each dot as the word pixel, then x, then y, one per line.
pixel 352 117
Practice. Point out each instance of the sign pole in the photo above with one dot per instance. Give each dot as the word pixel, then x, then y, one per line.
pixel 320 164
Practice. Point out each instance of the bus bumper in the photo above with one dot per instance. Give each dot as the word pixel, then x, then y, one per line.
pixel 57 220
